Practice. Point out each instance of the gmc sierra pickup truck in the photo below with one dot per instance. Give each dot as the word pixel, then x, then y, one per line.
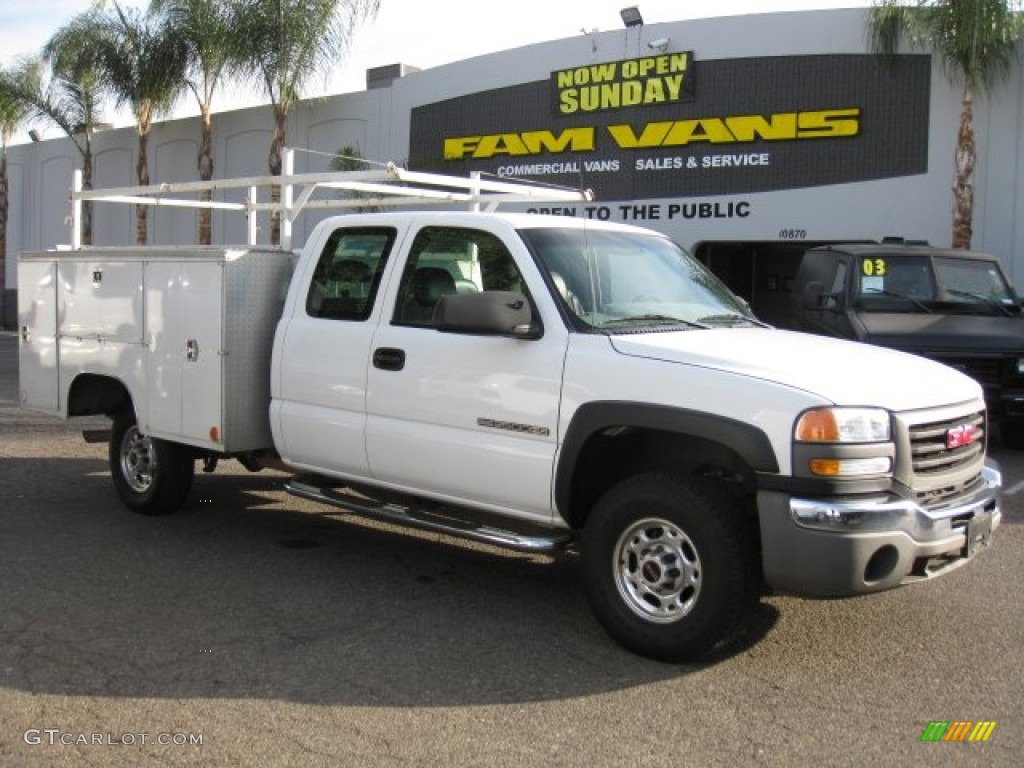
pixel 531 381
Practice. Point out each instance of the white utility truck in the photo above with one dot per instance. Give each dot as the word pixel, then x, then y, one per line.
pixel 531 381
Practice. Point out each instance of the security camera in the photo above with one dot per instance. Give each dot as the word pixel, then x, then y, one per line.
pixel 658 45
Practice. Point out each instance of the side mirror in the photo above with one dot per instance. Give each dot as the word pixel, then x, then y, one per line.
pixel 488 313
pixel 814 297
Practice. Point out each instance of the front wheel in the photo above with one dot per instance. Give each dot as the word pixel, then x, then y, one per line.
pixel 152 477
pixel 670 564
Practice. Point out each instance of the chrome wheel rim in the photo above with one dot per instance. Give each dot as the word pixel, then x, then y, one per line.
pixel 138 460
pixel 657 570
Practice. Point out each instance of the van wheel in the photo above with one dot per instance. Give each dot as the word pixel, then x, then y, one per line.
pixel 671 565
pixel 152 477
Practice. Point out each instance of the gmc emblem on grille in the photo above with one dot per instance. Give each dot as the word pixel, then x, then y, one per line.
pixel 962 434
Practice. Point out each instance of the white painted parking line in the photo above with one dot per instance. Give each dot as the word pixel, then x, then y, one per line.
pixel 1014 489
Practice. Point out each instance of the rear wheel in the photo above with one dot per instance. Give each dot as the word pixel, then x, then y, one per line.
pixel 152 477
pixel 670 564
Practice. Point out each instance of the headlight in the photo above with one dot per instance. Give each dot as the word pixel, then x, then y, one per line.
pixel 844 443
pixel 1020 366
pixel 843 425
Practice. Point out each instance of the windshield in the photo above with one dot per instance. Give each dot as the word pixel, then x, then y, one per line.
pixel 921 279
pixel 972 281
pixel 624 280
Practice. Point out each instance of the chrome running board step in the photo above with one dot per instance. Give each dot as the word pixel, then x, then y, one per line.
pixel 441 519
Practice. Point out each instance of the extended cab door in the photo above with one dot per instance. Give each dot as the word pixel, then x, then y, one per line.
pixel 322 351
pixel 460 416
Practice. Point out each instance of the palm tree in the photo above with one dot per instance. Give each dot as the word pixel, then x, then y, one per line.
pixel 208 29
pixel 13 114
pixel 63 90
pixel 976 41
pixel 141 61
pixel 289 41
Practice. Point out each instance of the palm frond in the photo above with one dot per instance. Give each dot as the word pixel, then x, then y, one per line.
pixel 206 28
pixel 289 41
pixel 55 98
pixel 975 40
pixel 14 109
pixel 137 59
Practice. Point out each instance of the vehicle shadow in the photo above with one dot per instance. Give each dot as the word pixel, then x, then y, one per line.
pixel 249 593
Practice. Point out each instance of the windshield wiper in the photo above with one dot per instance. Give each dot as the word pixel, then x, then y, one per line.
pixel 980 297
pixel 652 319
pixel 732 319
pixel 893 294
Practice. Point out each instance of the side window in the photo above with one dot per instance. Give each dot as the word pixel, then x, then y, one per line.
pixel 447 260
pixel 348 273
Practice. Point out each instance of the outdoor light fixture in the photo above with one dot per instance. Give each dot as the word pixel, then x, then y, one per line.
pixel 631 17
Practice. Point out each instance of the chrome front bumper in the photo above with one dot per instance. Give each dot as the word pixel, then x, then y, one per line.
pixel 825 547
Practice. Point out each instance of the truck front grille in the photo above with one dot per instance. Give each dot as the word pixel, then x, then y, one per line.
pixel 930 447
pixel 939 465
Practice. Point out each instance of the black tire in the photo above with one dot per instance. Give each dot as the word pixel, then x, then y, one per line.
pixel 671 565
pixel 152 477
pixel 1012 433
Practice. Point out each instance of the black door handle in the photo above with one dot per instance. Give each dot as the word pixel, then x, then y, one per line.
pixel 389 358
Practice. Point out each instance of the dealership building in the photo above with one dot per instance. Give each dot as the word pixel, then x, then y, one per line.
pixel 746 139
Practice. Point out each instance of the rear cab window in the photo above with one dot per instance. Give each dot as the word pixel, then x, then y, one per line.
pixel 348 273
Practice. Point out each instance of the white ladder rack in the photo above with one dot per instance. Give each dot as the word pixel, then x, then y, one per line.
pixel 390 186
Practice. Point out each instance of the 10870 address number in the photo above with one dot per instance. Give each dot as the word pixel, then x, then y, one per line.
pixel 792 234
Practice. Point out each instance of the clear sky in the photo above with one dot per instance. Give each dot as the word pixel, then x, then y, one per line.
pixel 423 33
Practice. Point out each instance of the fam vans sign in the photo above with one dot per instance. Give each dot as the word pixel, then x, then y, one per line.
pixel 671 126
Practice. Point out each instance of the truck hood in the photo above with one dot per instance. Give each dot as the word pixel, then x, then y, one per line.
pixel 841 372
pixel 924 333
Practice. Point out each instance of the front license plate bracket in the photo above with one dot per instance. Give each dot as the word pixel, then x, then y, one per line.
pixel 979 533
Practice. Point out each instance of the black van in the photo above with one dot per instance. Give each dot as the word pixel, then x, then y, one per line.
pixel 953 306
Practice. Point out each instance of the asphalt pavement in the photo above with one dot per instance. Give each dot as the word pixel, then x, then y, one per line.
pixel 255 629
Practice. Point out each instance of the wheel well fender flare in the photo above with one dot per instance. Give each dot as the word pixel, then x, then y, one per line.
pixel 92 393
pixel 749 442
